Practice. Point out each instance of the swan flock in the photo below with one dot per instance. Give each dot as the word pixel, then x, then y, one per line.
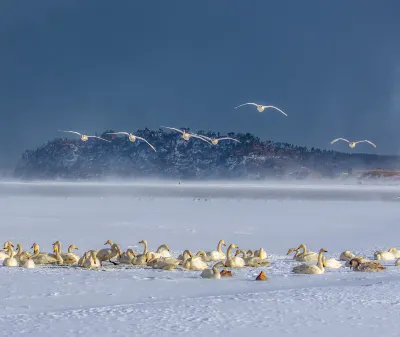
pixel 208 263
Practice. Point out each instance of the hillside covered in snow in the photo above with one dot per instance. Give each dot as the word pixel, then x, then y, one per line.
pixel 72 159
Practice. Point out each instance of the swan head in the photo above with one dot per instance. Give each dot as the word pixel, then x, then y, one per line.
pixel 108 242
pixel 55 249
pixel 35 247
pixel 222 242
pixel 354 263
pixel 143 241
pixel 8 243
pixel 291 250
pixel 201 253
pixel 234 246
pixel 27 255
pixel 301 246
pixel 392 250
pixel 73 247
pixel 323 250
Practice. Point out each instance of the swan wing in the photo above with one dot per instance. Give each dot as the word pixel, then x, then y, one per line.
pixel 229 138
pixel 147 143
pixel 274 107
pixel 335 140
pixel 246 104
pixel 167 127
pixel 366 141
pixel 200 137
pixel 117 133
pixel 77 133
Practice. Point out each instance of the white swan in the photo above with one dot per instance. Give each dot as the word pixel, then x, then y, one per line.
pixel 70 257
pixel 261 108
pixel 311 268
pixel 261 253
pixel 109 253
pixel 141 259
pixel 360 259
pixel 291 250
pixel 353 144
pixel 85 138
pixel 28 262
pixel 251 260
pixel 218 254
pixel 395 252
pixel 215 141
pixel 127 256
pixel 187 135
pixel 92 262
pixel 305 255
pixel 10 261
pixel 196 262
pixel 132 138
pixel 384 255
pixel 41 258
pixel 83 259
pixel 331 263
pixel 20 256
pixel 4 251
pixel 163 251
pixel 346 256
pixel 187 254
pixel 213 273
pixel 233 261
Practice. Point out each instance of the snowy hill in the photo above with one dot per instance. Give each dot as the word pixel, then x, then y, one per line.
pixel 71 158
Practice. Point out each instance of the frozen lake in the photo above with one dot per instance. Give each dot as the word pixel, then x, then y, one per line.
pixel 141 301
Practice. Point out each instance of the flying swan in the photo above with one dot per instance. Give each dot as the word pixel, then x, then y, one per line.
pixel 353 144
pixel 85 138
pixel 187 135
pixel 132 138
pixel 261 108
pixel 215 141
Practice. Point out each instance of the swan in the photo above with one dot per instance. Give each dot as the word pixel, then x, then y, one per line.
pixel 218 254
pixel 311 268
pixel 261 108
pixel 291 250
pixel 226 273
pixel 107 254
pixel 163 251
pixel 235 261
pixel 10 261
pixel 83 259
pixel 346 256
pixel 331 263
pixel 70 257
pixel 92 262
pixel 196 262
pixel 20 256
pixel 215 141
pixel 306 256
pixel 127 257
pixel 132 138
pixel 252 261
pixel 41 258
pixel 85 138
pixel 166 263
pixel 59 259
pixel 4 251
pixel 27 262
pixel 187 135
pixel 261 253
pixel 141 258
pixel 213 273
pixel 370 266
pixel 384 255
pixel 187 254
pixel 395 252
pixel 352 145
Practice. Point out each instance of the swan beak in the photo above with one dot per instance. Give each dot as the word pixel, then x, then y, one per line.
pixel 324 250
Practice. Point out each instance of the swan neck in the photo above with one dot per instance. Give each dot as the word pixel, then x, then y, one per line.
pixel 145 248
pixel 219 247
pixel 320 264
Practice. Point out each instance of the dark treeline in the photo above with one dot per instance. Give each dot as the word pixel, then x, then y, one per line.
pixel 73 159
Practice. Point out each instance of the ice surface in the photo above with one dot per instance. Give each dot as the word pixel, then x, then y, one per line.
pixel 134 301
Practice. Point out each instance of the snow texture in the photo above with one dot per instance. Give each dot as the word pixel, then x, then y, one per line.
pixel 137 301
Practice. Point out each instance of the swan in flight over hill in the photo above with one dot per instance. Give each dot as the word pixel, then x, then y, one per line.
pixel 261 108
pixel 85 138
pixel 353 144
pixel 132 138
pixel 187 135
pixel 215 141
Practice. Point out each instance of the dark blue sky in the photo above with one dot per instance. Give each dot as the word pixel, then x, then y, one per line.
pixel 334 67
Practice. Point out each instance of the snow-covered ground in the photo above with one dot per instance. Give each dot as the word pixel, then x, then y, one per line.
pixel 134 301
